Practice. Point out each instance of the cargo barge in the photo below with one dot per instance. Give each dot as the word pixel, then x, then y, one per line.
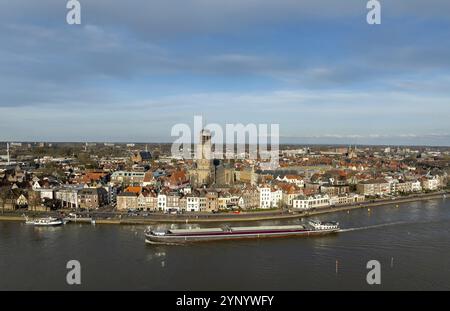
pixel 231 233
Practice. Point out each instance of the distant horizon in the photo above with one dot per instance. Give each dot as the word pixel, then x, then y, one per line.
pixel 343 144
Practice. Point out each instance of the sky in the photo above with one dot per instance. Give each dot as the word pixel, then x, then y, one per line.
pixel 133 69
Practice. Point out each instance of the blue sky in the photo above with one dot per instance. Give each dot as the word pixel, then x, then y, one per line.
pixel 134 68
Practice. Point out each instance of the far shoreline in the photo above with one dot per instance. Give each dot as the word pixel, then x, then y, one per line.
pixel 220 218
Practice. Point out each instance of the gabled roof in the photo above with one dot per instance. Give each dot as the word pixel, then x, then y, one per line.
pixel 133 189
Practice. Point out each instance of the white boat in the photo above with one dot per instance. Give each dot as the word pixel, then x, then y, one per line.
pixel 45 221
pixel 319 225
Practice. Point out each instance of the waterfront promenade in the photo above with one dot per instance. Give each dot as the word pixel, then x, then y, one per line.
pixel 125 219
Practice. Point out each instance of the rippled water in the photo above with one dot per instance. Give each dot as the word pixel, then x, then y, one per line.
pixel 412 243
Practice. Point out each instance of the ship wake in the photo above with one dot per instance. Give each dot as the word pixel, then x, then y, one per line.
pixel 374 226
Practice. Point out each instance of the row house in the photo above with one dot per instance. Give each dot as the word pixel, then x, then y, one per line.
pixel 265 198
pixel 227 200
pixel 223 202
pixel 192 203
pixel 162 202
pixel 139 198
pixel 127 201
pixel 290 192
pixel 270 197
pixel 276 196
pixel 172 202
pixel 212 204
pixel 147 201
pixel 249 199
pixel 92 198
pixel 169 201
pixel 202 203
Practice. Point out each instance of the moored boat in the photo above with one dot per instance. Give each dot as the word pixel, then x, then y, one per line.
pixel 44 221
pixel 230 233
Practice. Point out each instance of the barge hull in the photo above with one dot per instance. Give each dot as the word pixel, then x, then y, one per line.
pixel 237 236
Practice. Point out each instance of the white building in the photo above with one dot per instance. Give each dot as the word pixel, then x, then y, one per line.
pixel 162 202
pixel 269 198
pixel 192 203
pixel 68 196
pixel 416 186
pixel 306 203
pixel 265 199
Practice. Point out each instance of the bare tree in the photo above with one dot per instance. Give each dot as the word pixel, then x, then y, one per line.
pixel 3 197
pixel 34 199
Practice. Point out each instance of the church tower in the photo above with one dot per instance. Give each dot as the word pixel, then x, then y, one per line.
pixel 203 172
pixel 204 150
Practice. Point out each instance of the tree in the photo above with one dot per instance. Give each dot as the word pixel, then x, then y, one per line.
pixel 34 199
pixel 3 197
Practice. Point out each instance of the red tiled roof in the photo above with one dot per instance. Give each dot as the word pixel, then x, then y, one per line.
pixel 133 189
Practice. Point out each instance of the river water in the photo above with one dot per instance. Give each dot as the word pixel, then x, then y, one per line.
pixel 411 241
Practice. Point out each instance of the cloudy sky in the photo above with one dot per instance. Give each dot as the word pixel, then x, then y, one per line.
pixel 134 68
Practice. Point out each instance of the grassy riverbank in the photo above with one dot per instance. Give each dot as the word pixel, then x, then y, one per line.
pixel 244 217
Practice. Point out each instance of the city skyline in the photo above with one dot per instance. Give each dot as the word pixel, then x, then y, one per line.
pixel 131 71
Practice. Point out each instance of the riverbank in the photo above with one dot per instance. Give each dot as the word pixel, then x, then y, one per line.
pixel 244 217
pixel 294 215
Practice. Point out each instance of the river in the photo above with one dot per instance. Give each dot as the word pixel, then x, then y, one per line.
pixel 411 241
